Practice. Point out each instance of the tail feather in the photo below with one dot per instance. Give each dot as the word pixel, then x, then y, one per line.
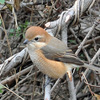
pixel 92 67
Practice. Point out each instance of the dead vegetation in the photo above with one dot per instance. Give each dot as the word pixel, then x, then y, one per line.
pixel 23 80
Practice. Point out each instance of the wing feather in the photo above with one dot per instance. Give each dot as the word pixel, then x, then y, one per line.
pixel 60 52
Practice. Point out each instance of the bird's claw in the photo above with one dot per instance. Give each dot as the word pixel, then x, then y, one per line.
pixel 69 75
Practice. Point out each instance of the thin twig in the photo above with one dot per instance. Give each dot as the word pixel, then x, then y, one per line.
pixel 92 85
pixel 80 84
pixel 13 92
pixel 88 84
pixel 83 42
pixel 6 35
pixel 15 16
pixel 54 85
pixel 32 98
pixel 87 42
pixel 83 49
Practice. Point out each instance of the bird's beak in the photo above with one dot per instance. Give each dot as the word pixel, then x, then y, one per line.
pixel 26 41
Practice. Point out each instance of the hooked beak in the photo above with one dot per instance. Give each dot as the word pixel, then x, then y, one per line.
pixel 26 41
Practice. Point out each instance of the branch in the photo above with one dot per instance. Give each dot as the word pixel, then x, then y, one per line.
pixel 47 89
pixel 11 78
pixel 14 61
pixel 87 42
pixel 87 72
pixel 83 42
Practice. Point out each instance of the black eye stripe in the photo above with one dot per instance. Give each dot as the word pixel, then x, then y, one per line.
pixel 36 38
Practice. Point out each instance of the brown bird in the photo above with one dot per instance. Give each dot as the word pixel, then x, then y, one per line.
pixel 50 55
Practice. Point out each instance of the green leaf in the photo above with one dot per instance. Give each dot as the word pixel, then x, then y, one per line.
pixel 11 30
pixel 2 1
pixel 82 55
pixel 1 86
pixel 77 69
pixel 18 29
pixel 1 91
pixel 11 34
pixel 17 34
pixel 27 23
pixel 0 22
pixel 72 41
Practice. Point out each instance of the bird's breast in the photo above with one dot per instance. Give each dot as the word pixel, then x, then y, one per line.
pixel 52 68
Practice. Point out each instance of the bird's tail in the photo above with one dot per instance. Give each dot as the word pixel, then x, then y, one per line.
pixel 92 67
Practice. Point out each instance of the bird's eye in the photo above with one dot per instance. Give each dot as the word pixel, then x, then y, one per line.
pixel 36 38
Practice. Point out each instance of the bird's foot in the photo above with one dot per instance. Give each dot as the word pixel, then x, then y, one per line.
pixel 69 75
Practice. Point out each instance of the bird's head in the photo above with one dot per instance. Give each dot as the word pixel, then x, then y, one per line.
pixel 36 37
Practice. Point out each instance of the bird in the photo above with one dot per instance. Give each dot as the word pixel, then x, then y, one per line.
pixel 50 55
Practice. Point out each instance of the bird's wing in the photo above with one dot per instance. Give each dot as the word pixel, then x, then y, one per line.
pixel 60 53
pixel 69 59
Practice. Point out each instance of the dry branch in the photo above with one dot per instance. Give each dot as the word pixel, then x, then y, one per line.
pixel 14 61
pixel 55 27
pixel 87 42
pixel 87 72
pixel 13 77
